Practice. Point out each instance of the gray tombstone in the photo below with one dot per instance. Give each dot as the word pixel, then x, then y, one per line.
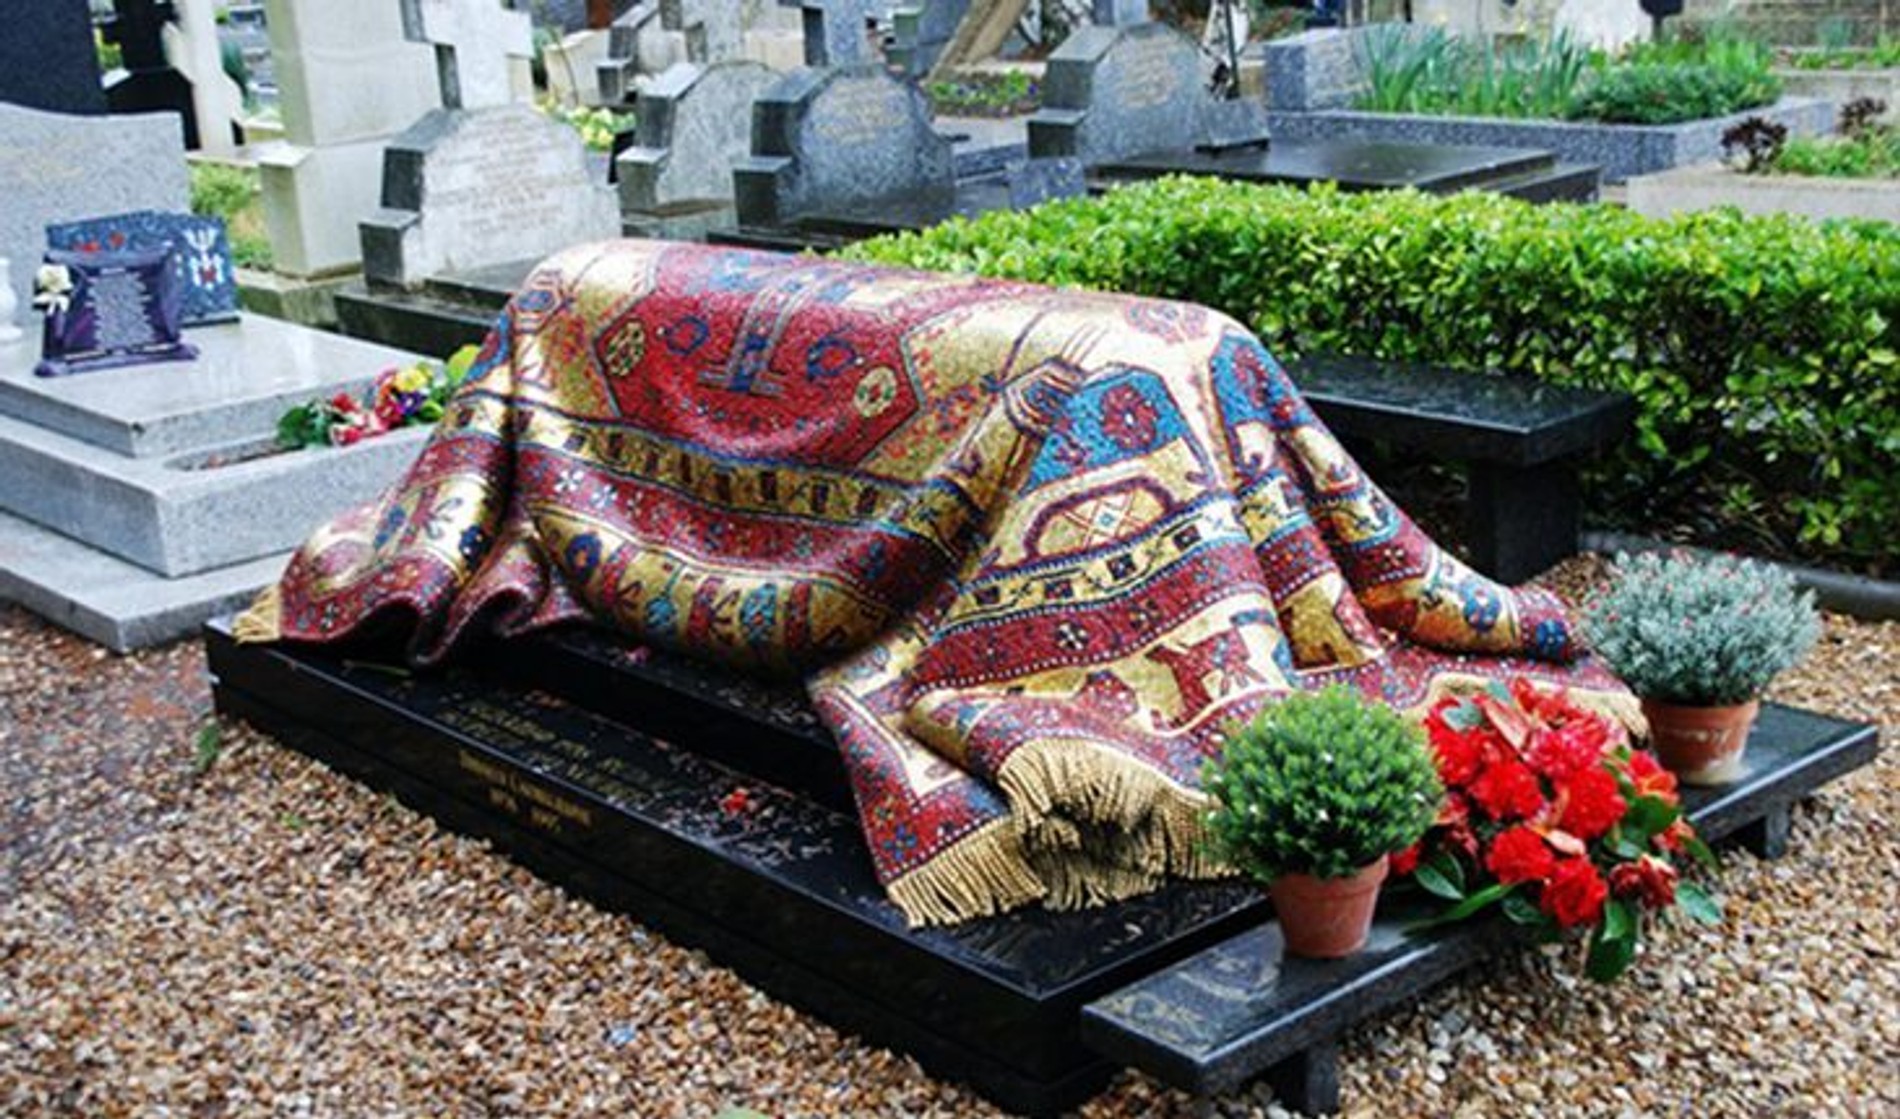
pixel 694 123
pixel 828 141
pixel 56 167
pixel 1120 13
pixel 1114 92
pixel 468 190
pixel 920 30
pixel 47 60
pixel 835 30
pixel 714 30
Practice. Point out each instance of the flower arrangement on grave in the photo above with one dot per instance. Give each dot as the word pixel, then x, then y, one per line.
pixel 1311 798
pixel 409 396
pixel 1698 640
pixel 1551 814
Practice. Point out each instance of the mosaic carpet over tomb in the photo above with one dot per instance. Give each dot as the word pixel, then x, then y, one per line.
pixel 1033 550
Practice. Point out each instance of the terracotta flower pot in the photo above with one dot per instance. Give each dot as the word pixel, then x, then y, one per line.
pixel 1700 745
pixel 1326 918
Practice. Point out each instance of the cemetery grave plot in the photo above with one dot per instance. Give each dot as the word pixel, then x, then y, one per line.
pixel 731 834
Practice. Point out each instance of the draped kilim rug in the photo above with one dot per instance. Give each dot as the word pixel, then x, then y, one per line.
pixel 1032 551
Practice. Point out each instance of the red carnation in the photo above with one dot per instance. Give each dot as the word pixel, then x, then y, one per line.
pixel 1673 836
pixel 1520 855
pixel 1560 752
pixel 1575 893
pixel 1406 861
pixel 1508 790
pixel 1651 881
pixel 1592 804
pixel 1460 752
pixel 1649 776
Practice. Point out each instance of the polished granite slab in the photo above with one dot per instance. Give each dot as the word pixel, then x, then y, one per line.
pixel 779 889
pixel 1510 420
pixel 1353 164
pixel 1243 1007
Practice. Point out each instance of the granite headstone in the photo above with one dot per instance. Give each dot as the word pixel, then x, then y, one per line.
pixel 825 141
pixel 836 31
pixel 466 190
pixel 694 124
pixel 1114 92
pixel 47 60
pixel 475 41
pixel 57 167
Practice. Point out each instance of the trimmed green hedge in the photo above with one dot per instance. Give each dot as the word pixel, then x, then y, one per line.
pixel 1762 350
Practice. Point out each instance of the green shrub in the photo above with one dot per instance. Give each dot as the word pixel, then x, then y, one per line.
pixel 1760 350
pixel 1434 72
pixel 1871 154
pixel 1665 93
pixel 1700 632
pixel 1321 783
pixel 219 190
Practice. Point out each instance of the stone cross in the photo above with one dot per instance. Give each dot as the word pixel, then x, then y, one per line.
pixel 473 41
pixel 714 29
pixel 138 28
pixel 834 30
pixel 216 98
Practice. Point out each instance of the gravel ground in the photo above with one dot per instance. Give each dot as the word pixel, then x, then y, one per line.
pixel 256 936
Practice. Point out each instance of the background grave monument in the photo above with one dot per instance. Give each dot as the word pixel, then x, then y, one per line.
pixel 146 81
pixel 829 141
pixel 473 195
pixel 1114 91
pixel 837 32
pixel 47 60
pixel 136 502
pixel 483 181
pixel 217 102
pixel 694 124
pixel 349 81
pixel 58 168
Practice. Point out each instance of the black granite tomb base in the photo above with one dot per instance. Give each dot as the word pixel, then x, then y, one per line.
pixel 780 890
pixel 523 747
pixel 1365 165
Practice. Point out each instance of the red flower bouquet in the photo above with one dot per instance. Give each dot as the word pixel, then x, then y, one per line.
pixel 1552 815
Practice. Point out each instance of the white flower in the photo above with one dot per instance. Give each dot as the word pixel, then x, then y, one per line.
pixel 52 288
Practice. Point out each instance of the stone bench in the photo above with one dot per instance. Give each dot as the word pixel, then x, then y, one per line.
pixel 1522 439
pixel 1242 1008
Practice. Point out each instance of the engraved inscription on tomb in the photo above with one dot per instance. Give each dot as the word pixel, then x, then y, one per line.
pixel 1143 73
pixel 855 112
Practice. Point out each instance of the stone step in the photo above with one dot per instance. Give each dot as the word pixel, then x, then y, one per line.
pixel 195 511
pixel 117 604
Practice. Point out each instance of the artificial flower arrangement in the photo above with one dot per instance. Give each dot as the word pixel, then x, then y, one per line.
pixel 410 396
pixel 1553 816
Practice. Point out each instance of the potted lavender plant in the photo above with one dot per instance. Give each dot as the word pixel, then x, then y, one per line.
pixel 1698 640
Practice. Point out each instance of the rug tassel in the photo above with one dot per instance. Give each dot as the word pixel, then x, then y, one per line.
pixel 982 874
pixel 264 621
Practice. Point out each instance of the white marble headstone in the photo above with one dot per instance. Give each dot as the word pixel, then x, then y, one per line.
pixel 474 42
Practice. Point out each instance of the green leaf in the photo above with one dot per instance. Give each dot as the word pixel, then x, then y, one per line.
pixel 1610 957
pixel 1701 853
pixel 1477 901
pixel 1649 817
pixel 1433 876
pixel 1619 920
pixel 1520 910
pixel 1697 905
pixel 210 744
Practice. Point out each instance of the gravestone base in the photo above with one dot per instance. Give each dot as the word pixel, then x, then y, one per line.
pixel 442 316
pixel 533 745
pixel 112 602
pixel 305 302
pixel 782 891
pixel 1358 165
